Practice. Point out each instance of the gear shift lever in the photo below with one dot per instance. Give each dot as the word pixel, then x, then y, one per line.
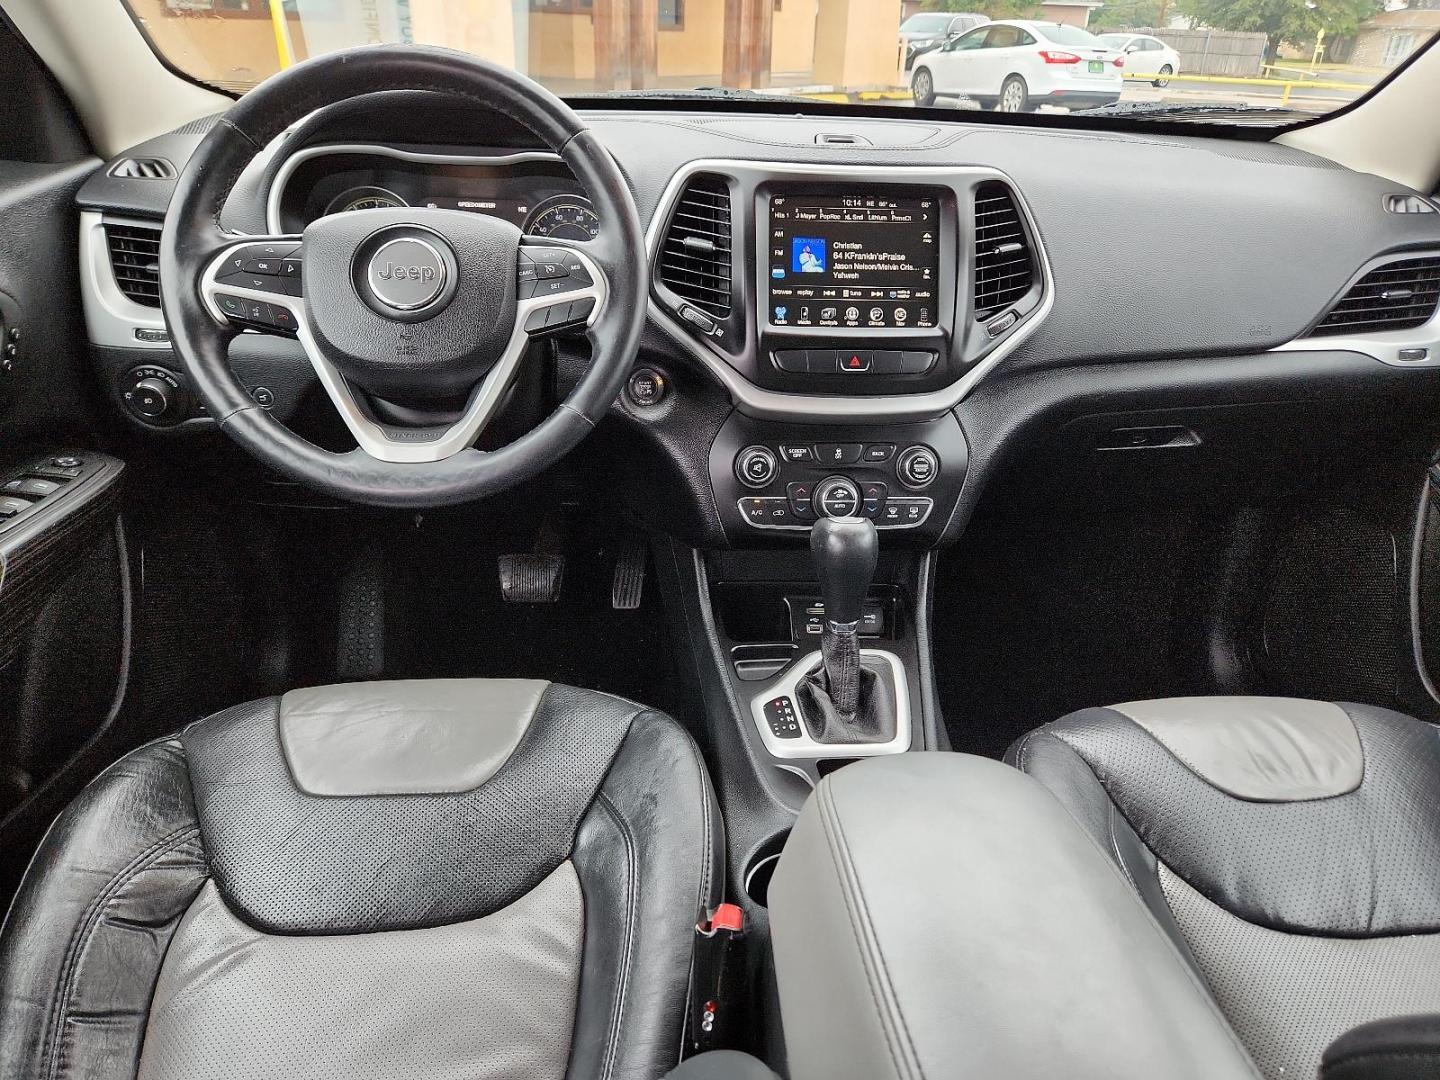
pixel 845 551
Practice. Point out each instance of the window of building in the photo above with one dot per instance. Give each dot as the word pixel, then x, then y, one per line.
pixel 1397 47
pixel 672 15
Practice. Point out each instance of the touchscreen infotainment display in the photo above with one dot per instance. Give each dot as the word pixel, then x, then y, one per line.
pixel 853 260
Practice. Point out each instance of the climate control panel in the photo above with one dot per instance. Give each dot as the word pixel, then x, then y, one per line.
pixel 779 478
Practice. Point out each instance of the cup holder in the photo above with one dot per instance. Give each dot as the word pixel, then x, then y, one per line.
pixel 761 868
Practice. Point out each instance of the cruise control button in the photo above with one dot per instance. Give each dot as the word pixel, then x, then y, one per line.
pixel 575 270
pixel 837 453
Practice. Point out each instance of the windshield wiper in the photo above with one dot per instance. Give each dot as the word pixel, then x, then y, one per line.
pixel 1179 110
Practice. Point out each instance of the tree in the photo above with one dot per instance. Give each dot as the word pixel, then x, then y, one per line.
pixel 995 9
pixel 1125 14
pixel 1286 22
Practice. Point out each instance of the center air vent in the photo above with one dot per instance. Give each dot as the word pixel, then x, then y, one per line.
pixel 1004 270
pixel 143 169
pixel 695 255
pixel 135 258
pixel 1397 296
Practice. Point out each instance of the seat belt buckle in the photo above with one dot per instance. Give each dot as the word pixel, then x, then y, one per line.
pixel 715 976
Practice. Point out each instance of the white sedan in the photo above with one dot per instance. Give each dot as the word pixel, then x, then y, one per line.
pixel 1018 65
pixel 1146 55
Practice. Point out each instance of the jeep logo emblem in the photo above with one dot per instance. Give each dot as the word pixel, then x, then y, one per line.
pixel 407 274
pixel 414 273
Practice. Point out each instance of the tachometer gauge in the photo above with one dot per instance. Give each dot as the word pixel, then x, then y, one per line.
pixel 364 198
pixel 563 217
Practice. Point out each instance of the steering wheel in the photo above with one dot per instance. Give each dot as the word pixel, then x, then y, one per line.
pixel 428 310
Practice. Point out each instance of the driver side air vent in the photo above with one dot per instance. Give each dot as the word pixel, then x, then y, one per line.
pixel 695 254
pixel 1004 269
pixel 135 258
pixel 1397 296
pixel 143 169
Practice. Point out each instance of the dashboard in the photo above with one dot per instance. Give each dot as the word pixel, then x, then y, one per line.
pixel 869 327
pixel 533 191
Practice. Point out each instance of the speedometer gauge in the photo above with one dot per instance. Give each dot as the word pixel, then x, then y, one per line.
pixel 364 198
pixel 563 217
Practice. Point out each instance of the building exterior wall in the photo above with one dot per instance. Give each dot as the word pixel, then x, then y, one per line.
pixel 1068 14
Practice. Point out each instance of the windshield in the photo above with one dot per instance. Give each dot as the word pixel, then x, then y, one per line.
pixel 925 24
pixel 1280 60
pixel 1068 35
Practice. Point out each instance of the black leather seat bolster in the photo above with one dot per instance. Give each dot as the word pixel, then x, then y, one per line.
pixel 1057 766
pixel 1405 1048
pixel 1270 862
pixel 87 932
pixel 649 853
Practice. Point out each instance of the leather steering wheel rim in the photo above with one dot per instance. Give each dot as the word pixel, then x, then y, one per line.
pixel 193 238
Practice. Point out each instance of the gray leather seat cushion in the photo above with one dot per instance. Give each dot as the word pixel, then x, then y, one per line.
pixel 1308 901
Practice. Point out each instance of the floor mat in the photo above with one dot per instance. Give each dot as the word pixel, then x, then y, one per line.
pixel 1031 625
pixel 446 617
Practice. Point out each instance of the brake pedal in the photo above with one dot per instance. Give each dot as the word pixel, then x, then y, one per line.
pixel 629 582
pixel 531 578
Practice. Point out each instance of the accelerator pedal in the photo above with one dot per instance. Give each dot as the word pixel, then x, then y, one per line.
pixel 629 583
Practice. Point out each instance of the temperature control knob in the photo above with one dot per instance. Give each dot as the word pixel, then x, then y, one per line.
pixel 837 496
pixel 756 466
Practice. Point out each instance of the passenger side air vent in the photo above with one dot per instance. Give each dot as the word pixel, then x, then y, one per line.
pixel 695 255
pixel 143 169
pixel 135 258
pixel 1397 296
pixel 1004 269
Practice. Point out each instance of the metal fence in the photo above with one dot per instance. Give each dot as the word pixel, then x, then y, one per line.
pixel 1215 52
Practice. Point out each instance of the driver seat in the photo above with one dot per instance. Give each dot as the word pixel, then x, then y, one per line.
pixel 441 879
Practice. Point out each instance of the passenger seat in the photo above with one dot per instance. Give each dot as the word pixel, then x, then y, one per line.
pixel 1290 849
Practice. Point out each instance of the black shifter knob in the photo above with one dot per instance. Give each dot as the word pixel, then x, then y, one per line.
pixel 844 550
